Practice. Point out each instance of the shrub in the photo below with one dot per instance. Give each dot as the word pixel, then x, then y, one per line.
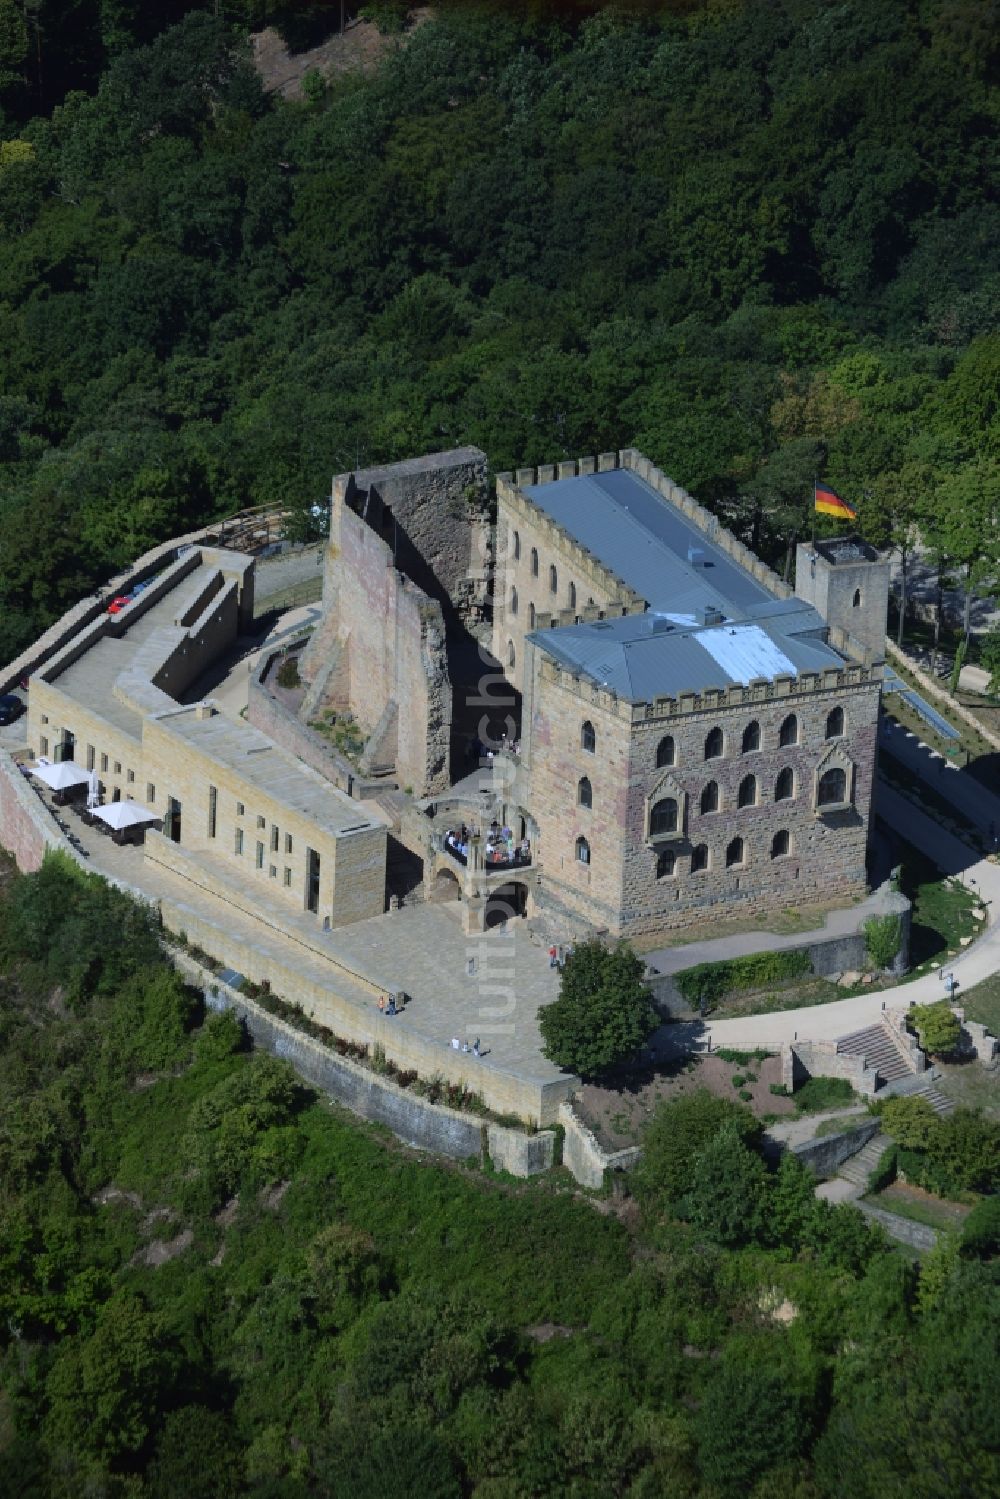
pixel 741 1058
pixel 778 1089
pixel 822 1093
pixel 737 1079
pixel 603 1014
pixel 883 939
pixel 678 1131
pixel 885 1170
pixel 981 1234
pixel 911 1122
pixel 288 673
pixel 746 1095
pixel 937 1025
pixel 706 983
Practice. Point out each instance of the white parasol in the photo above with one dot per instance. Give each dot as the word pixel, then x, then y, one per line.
pixel 60 777
pixel 119 815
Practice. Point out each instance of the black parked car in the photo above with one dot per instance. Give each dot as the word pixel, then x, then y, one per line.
pixel 11 707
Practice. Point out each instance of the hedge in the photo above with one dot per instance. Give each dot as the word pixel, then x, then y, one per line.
pixel 706 983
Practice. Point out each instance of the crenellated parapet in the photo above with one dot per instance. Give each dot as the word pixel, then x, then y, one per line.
pixel 509 487
pixel 711 700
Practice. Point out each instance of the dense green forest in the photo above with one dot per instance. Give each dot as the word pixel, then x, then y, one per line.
pixel 213 1283
pixel 757 240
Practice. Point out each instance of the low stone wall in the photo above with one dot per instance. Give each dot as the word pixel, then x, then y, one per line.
pixel 415 1120
pixel 823 1156
pixel 804 1059
pixel 933 690
pixel 266 713
pixel 583 1155
pixel 917 1235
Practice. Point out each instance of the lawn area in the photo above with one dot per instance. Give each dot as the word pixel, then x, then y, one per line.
pixel 942 910
pixel 920 1206
pixel 982 1003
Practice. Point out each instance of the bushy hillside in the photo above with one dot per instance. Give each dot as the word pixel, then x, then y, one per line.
pixel 756 240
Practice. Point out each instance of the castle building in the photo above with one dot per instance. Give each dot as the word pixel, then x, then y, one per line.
pixel 697 740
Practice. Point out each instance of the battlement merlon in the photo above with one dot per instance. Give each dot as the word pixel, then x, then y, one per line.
pixel 588 565
pixel 852 677
pixel 631 458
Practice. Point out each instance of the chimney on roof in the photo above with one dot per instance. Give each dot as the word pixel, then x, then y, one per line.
pixel 696 556
pixel 658 625
pixel 710 615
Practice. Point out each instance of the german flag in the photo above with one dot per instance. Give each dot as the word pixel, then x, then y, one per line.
pixel 828 502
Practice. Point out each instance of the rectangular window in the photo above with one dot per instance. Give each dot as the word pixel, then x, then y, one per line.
pixel 45 718
pixel 130 777
pixel 150 793
pixel 43 745
pixel 288 877
pixel 213 807
pixel 274 839
pixel 104 762
pixel 272 872
pixel 261 821
pixel 312 880
pixel 116 795
pixel 260 855
pixel 240 809
pixel 288 843
pixel 90 757
pixel 118 767
pixel 239 840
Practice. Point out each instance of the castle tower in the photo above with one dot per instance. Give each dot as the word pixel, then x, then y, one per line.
pixel 848 584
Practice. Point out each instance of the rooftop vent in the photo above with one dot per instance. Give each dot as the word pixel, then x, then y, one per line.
pixel 696 556
pixel 710 615
pixel 658 625
pixel 204 710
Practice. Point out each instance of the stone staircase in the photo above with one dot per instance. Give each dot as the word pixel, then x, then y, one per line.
pixel 876 1044
pixel 858 1168
pixel 938 1102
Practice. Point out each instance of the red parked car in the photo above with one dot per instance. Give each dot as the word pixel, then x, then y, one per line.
pixel 118 604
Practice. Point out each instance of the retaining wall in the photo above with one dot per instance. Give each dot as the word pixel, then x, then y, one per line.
pixel 415 1120
pixel 823 1156
pixel 933 689
pixel 583 1155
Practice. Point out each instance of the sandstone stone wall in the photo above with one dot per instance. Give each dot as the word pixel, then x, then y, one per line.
pixel 620 888
pixel 440 527
pixel 391 637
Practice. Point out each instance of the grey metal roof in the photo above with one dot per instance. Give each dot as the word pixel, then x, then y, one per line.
pixel 644 656
pixel 648 543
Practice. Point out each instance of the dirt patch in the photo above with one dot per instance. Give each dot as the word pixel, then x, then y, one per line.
pixel 226 1216
pixel 162 1250
pixel 898 1195
pixel 617 1111
pixel 111 1193
pixel 271 1198
pixel 546 1331
pixel 360 49
pixel 158 1215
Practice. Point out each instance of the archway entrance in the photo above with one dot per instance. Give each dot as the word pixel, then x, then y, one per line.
pixel 446 887
pixel 504 903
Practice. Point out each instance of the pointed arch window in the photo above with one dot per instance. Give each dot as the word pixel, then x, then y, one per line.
pixel 857 599
pixel 531 616
pixel 582 851
pixel 666 864
pixel 735 853
pixel 588 739
pixel 714 744
pixel 584 792
pixel 515 545
pixel 710 798
pixel 835 723
pixel 534 562
pixel 781 844
pixel 789 732
pixel 751 737
pixel 666 752
pixel 784 786
pixel 553 579
pixel 511 658
pixel 513 601
pixel 699 858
